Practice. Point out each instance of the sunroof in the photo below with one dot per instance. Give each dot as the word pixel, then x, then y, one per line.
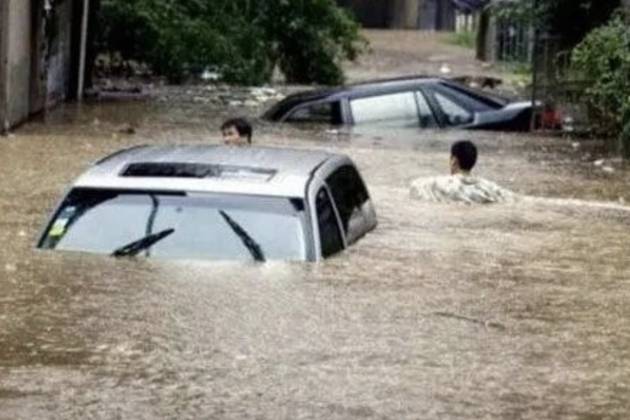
pixel 196 170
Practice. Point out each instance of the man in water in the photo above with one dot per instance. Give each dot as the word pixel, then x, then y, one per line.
pixel 460 186
pixel 236 132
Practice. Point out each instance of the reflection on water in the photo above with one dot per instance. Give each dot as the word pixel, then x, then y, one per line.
pixel 444 311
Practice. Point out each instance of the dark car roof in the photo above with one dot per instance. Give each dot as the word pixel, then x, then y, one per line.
pixel 372 86
pixel 369 87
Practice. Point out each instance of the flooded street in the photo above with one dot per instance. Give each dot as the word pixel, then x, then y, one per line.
pixel 445 311
pixel 509 311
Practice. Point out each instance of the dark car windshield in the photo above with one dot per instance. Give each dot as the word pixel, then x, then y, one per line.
pixel 205 226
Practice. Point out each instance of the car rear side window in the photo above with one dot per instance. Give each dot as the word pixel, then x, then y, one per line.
pixel 348 191
pixel 468 98
pixel 397 109
pixel 326 112
pixel 329 234
pixel 454 113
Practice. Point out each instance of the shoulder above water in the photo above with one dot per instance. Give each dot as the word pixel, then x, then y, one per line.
pixel 459 189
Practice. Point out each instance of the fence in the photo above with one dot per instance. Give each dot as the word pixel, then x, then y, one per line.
pixel 514 41
pixel 555 85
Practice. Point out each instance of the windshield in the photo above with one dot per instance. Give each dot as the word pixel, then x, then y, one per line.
pixel 200 226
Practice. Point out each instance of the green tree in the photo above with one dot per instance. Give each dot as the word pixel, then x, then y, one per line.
pixel 244 40
pixel 603 60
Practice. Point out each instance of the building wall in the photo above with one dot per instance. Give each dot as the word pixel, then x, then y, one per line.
pixel 38 56
pixel 60 59
pixel 403 14
pixel 16 61
pixel 3 48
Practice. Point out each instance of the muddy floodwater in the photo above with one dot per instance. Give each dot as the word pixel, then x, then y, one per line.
pixel 511 311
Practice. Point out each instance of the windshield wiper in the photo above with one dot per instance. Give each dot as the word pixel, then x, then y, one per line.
pixel 251 245
pixel 141 244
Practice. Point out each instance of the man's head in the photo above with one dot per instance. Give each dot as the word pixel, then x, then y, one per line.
pixel 463 156
pixel 236 132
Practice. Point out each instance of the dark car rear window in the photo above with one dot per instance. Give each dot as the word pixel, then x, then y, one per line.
pixel 323 112
pixel 279 110
pixel 475 96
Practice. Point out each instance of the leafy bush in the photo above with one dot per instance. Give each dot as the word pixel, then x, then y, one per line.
pixel 603 60
pixel 242 39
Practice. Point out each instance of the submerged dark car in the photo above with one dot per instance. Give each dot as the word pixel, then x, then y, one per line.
pixel 405 102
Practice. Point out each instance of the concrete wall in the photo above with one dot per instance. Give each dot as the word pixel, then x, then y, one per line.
pixel 3 54
pixel 60 60
pixel 38 57
pixel 404 13
pixel 16 61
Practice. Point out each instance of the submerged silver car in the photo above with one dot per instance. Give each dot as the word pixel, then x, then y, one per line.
pixel 214 202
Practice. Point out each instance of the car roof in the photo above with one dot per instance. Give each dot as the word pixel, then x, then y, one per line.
pixel 371 86
pixel 252 170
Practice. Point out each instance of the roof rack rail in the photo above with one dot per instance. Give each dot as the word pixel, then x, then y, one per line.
pixel 118 153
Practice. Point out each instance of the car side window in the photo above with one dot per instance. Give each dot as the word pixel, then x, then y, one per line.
pixel 455 114
pixel 326 112
pixel 329 233
pixel 349 193
pixel 396 109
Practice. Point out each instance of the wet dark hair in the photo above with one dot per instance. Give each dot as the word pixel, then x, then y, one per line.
pixel 466 154
pixel 243 127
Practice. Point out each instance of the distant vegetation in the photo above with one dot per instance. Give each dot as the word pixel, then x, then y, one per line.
pixel 465 39
pixel 243 40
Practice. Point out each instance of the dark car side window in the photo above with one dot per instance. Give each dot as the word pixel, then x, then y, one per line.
pixel 329 234
pixel 348 191
pixel 457 105
pixel 455 113
pixel 326 112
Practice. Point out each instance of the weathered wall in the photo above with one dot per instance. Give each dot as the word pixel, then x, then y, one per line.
pixel 404 13
pixel 59 63
pixel 38 56
pixel 3 47
pixel 16 60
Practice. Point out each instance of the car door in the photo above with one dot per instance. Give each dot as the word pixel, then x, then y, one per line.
pixel 391 109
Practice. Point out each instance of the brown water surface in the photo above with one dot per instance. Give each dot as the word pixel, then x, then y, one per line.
pixel 444 311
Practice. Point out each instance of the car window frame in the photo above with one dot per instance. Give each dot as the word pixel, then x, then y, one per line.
pixel 306 105
pixel 430 91
pixel 310 245
pixel 322 186
pixel 351 232
pixel 435 123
